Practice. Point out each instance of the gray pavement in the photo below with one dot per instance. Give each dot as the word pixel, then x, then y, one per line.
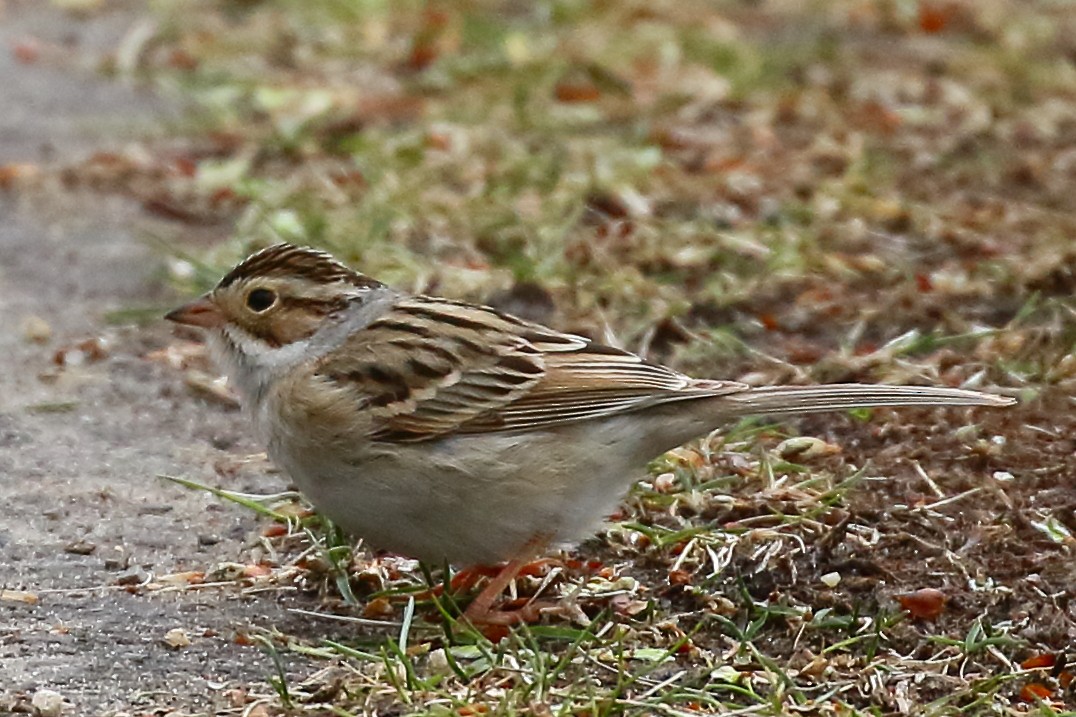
pixel 80 447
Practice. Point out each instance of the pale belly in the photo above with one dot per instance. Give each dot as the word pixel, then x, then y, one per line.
pixel 476 499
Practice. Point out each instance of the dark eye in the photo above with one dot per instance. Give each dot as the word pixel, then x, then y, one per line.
pixel 260 299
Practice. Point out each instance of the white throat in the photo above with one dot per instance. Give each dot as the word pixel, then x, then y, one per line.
pixel 251 364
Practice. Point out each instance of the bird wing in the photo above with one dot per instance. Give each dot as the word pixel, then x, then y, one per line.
pixel 430 367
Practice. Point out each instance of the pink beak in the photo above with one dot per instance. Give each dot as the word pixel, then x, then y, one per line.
pixel 201 312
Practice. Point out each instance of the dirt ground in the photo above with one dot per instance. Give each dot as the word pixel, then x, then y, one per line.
pixel 81 446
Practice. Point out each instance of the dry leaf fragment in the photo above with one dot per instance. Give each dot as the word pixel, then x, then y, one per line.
pixel 10 174
pixel 259 570
pixel 188 577
pixel 1035 691
pixel 576 91
pixel 22 596
pixel 935 16
pixel 27 51
pixel 80 547
pixel 831 580
pixel 1043 659
pixel 236 697
pixel 378 608
pixel 624 605
pixel 276 530
pixel 666 483
pixel 679 577
pixel 176 638
pixel 36 329
pixel 214 387
pixel 804 448
pixel 87 351
pixel 925 604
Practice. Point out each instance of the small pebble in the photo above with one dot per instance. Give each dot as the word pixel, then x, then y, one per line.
pixel 80 547
pixel 48 703
pixel 132 576
pixel 831 580
pixel 36 329
pixel 438 662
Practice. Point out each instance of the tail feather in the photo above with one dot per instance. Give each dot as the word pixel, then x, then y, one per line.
pixel 773 400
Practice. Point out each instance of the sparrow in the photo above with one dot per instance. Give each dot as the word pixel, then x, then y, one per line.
pixel 456 433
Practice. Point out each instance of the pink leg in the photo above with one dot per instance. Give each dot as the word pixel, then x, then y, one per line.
pixel 481 612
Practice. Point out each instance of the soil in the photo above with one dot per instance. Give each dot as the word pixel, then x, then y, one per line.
pixel 81 446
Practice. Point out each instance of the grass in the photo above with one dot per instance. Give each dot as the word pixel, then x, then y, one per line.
pixel 833 191
pixel 676 624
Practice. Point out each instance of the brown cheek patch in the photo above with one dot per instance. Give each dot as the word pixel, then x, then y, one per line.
pixel 298 319
pixel 317 307
pixel 268 335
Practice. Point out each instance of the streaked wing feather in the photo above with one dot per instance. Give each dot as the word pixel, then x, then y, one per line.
pixel 447 377
pixel 472 369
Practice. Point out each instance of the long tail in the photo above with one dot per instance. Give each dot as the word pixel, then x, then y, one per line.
pixel 772 400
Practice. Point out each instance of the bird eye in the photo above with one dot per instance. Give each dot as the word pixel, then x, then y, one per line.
pixel 260 299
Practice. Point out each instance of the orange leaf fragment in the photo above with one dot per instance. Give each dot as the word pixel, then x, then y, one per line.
pixel 422 55
pixel 348 178
pixel 186 577
pixel 933 17
pixel 439 140
pixel 256 571
pixel 535 568
pixel 679 577
pixel 379 607
pixel 1041 660
pixel 222 195
pixel 876 116
pixel 925 604
pixel 571 92
pixel 12 173
pixel 1035 691
pixel 185 166
pixel 180 59
pixel 275 530
pixel 27 51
